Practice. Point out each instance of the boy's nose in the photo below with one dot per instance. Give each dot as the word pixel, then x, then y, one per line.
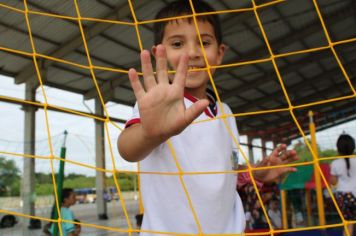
pixel 194 51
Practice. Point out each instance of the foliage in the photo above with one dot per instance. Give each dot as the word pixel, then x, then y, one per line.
pixel 306 156
pixel 329 153
pixel 9 178
pixel 44 185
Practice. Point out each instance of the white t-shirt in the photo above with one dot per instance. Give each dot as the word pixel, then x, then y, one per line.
pixel 201 147
pixel 345 183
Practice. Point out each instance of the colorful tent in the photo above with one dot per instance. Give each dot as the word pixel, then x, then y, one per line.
pixel 325 168
pixel 304 178
pixel 297 180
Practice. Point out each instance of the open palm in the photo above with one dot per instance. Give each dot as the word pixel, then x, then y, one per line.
pixel 279 156
pixel 161 103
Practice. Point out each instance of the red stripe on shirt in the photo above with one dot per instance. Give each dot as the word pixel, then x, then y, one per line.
pixel 193 100
pixel 133 121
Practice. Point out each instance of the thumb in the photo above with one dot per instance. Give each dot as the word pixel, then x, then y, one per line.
pixel 288 170
pixel 195 110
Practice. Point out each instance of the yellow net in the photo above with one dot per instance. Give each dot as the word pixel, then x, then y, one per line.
pixel 92 68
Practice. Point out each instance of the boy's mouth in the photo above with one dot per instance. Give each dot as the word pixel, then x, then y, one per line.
pixel 196 68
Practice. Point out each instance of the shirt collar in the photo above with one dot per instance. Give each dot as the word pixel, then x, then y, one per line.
pixel 211 110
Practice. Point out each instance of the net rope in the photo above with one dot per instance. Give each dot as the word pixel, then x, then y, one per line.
pixel 107 121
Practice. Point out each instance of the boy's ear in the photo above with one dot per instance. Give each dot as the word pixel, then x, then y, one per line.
pixel 154 50
pixel 221 52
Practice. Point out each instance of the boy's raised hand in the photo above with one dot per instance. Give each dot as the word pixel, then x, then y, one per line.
pixel 161 106
pixel 279 156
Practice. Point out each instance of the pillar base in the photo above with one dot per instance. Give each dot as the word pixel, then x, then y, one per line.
pixel 103 216
pixel 34 224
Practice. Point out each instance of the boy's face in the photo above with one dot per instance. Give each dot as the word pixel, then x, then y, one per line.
pixel 181 37
pixel 71 199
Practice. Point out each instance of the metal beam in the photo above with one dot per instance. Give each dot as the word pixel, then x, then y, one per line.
pixel 6 73
pixel 297 87
pixel 105 88
pixel 75 42
pixel 70 111
pixel 287 119
pixel 313 26
pixel 284 41
pixel 283 70
pixel 322 125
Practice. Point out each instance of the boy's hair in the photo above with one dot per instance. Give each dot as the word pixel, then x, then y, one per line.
pixel 181 8
pixel 66 192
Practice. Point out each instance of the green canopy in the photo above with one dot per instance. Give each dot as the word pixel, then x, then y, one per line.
pixel 297 180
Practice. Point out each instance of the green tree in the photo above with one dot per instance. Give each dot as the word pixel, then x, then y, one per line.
pixel 303 152
pixel 44 184
pixel 306 156
pixel 42 178
pixel 9 178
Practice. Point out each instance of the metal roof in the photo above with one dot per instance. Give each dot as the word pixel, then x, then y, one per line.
pixel 290 26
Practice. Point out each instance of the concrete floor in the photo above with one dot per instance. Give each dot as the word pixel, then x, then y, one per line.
pixel 86 213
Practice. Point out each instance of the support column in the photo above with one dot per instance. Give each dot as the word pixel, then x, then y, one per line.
pixel 101 207
pixel 28 178
pixel 264 150
pixel 317 177
pixel 275 143
pixel 284 209
pixel 250 150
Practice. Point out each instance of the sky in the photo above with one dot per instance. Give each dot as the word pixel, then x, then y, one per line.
pixel 81 138
pixel 80 142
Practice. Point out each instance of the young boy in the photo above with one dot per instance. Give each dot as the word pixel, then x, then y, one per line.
pixel 68 200
pixel 165 109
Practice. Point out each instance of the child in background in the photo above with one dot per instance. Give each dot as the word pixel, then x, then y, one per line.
pixel 68 229
pixel 343 175
pixel 275 214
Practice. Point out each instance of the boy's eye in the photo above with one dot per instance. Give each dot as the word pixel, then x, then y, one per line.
pixel 176 44
pixel 206 43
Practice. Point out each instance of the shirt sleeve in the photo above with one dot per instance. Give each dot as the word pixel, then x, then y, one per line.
pixel 135 118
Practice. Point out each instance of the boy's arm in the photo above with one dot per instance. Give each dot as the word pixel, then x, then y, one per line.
pixel 133 146
pixel 161 106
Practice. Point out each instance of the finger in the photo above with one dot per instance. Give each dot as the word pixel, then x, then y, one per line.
pixel 161 64
pixel 288 170
pixel 277 150
pixel 195 110
pixel 136 84
pixel 182 70
pixel 148 75
pixel 263 162
pixel 289 156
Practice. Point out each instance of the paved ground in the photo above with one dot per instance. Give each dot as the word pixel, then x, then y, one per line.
pixel 86 213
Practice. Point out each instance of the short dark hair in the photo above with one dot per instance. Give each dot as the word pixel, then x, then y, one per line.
pixel 66 192
pixel 181 8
